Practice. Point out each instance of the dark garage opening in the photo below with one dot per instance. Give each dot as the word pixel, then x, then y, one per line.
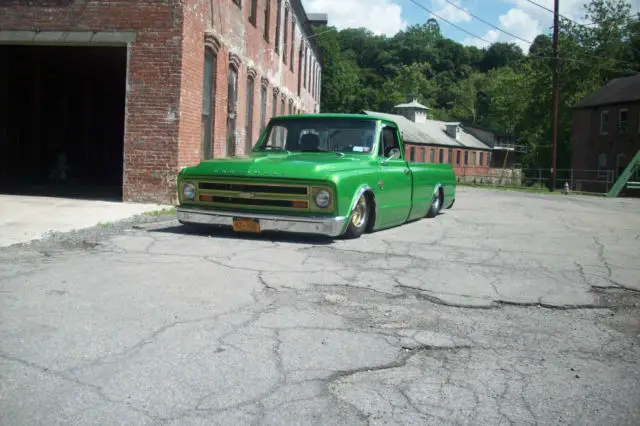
pixel 62 111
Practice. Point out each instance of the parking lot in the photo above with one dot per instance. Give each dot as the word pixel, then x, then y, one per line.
pixel 509 308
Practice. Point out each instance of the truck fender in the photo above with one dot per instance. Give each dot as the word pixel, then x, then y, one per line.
pixel 361 190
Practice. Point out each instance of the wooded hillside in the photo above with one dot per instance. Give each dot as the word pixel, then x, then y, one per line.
pixel 499 87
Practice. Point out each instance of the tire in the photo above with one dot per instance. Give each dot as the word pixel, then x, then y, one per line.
pixel 435 206
pixel 359 218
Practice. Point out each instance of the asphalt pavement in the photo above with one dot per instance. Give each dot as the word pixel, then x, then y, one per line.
pixel 510 308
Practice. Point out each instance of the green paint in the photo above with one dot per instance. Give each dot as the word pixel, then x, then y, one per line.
pixel 623 180
pixel 405 193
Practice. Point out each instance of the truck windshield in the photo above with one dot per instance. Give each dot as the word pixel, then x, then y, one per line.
pixel 320 135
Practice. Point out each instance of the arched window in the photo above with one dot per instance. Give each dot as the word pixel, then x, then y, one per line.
pixel 232 103
pixel 208 104
pixel 248 138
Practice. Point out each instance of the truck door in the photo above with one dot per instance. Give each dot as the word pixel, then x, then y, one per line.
pixel 395 181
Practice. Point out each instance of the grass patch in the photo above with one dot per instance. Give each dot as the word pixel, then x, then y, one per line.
pixel 161 212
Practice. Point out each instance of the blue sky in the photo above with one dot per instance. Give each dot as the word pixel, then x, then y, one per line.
pixel 522 18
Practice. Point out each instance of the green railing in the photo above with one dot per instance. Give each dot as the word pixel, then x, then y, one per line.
pixel 623 180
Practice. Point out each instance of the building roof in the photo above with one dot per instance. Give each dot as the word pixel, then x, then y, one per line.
pixel 413 104
pixel 617 91
pixel 433 132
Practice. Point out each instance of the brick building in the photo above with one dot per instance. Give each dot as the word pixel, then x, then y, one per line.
pixel 118 96
pixel 434 141
pixel 606 131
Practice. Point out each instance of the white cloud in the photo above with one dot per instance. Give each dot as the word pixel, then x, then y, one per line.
pixel 379 16
pixel 451 13
pixel 526 20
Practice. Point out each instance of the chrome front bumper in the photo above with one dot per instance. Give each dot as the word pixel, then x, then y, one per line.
pixel 331 227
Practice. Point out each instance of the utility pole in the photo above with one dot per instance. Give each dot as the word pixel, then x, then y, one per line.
pixel 556 60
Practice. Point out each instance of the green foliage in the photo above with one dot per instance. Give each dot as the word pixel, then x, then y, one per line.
pixel 498 87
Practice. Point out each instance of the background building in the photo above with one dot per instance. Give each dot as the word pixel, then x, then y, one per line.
pixel 606 131
pixel 434 141
pixel 113 98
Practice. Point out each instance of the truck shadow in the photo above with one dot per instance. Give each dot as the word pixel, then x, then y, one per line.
pixel 224 232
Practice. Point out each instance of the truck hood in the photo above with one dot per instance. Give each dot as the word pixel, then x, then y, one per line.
pixel 302 165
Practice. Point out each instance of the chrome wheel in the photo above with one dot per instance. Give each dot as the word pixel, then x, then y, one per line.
pixel 359 214
pixel 436 202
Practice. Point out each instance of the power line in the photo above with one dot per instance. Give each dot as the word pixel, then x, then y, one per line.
pixel 541 6
pixel 487 23
pixel 421 6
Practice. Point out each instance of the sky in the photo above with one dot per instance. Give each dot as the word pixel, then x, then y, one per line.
pixel 522 18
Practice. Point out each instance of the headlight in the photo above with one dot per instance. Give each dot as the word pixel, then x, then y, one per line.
pixel 322 199
pixel 189 191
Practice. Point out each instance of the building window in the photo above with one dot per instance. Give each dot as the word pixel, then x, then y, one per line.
pixel 267 18
pixel 423 156
pixel 412 154
pixel 602 164
pixel 248 140
pixel 253 12
pixel 432 155
pixel 604 122
pixel 263 107
pixel 450 156
pixel 232 102
pixel 482 159
pixel 457 158
pixel 274 105
pixel 306 59
pixel 441 156
pixel 623 120
pixel 290 110
pixel 278 18
pixel 300 59
pixel 466 158
pixel 473 159
pixel 283 135
pixel 208 98
pixel 285 41
pixel 293 42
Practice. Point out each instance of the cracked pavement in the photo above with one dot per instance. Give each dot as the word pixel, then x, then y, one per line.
pixel 510 308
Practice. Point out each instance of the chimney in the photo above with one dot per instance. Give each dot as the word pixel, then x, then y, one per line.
pixel 453 130
pixel 412 97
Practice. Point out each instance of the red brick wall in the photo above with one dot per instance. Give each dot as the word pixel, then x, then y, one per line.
pixel 153 93
pixel 588 143
pixel 479 169
pixel 164 96
pixel 229 25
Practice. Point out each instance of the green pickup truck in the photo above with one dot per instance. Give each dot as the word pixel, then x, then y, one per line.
pixel 327 174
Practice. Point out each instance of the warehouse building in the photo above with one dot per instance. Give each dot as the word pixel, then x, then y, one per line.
pixel 111 99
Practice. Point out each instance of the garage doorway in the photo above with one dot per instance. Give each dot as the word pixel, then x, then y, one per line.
pixel 62 118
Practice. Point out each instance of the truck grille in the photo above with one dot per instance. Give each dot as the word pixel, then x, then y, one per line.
pixel 272 196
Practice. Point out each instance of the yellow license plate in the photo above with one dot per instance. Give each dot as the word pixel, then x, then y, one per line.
pixel 246 225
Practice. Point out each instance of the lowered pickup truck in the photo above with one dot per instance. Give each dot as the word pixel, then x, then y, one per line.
pixel 327 174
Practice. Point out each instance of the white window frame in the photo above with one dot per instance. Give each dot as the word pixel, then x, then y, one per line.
pixel 602 114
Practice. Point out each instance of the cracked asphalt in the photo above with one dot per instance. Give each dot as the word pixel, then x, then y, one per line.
pixel 510 308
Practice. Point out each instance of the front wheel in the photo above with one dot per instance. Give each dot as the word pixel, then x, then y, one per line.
pixel 435 206
pixel 358 218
